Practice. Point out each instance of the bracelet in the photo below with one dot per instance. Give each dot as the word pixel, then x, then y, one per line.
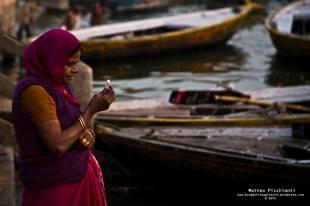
pixel 92 133
pixel 82 123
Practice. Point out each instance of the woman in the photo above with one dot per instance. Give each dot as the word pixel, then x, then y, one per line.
pixel 57 166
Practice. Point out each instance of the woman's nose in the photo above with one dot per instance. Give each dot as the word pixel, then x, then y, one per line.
pixel 75 69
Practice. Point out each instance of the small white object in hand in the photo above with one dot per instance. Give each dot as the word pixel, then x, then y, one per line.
pixel 107 84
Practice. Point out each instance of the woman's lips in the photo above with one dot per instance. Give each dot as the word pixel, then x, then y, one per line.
pixel 69 77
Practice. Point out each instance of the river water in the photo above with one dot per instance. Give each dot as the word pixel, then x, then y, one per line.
pixel 248 60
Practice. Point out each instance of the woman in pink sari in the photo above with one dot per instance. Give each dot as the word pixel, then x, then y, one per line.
pixel 57 166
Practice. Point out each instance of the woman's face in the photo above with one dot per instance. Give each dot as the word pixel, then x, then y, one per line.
pixel 71 68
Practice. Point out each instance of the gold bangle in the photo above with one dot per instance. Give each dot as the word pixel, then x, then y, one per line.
pixel 82 123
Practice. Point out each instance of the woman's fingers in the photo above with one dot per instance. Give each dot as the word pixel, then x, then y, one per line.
pixel 102 100
pixel 106 90
pixel 108 96
pixel 87 140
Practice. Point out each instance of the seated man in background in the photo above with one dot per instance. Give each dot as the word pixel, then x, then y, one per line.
pixel 98 13
pixel 73 18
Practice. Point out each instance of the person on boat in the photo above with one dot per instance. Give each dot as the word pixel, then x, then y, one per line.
pixel 99 13
pixel 56 163
pixel 72 18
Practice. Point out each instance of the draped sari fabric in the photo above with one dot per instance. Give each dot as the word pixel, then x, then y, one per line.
pixel 88 192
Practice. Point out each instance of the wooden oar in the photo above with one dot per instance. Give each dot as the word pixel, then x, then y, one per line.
pixel 292 107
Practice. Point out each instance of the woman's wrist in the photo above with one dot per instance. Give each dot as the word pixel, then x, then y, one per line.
pixel 87 115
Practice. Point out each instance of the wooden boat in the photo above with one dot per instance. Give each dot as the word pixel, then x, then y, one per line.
pixel 244 153
pixel 289 29
pixel 241 143
pixel 163 34
pixel 271 106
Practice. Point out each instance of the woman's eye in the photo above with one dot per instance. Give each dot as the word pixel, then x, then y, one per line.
pixel 70 64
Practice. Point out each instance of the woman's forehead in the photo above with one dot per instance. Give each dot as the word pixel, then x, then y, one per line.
pixel 76 54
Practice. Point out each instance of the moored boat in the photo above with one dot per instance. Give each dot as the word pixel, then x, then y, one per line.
pixel 163 34
pixel 289 29
pixel 243 153
pixel 243 142
pixel 285 105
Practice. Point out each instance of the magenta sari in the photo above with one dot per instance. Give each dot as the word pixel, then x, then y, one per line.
pixel 89 191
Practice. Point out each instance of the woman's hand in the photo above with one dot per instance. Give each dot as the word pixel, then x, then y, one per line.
pixel 59 141
pixel 102 100
pixel 87 139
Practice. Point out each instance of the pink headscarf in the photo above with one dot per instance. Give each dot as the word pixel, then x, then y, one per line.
pixel 47 55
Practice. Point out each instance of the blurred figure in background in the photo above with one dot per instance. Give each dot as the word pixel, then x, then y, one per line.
pixel 99 13
pixel 25 17
pixel 73 18
pixel 23 30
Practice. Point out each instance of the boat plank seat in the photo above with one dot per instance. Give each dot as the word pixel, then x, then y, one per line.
pixel 248 141
pixel 204 19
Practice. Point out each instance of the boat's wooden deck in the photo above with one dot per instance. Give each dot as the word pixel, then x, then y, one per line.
pixel 249 141
pixel 190 19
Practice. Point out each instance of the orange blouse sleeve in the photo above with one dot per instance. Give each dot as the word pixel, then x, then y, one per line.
pixel 38 104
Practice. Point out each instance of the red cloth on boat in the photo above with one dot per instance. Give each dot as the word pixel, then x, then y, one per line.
pixel 89 191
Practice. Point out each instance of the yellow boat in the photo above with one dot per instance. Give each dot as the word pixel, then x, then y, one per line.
pixel 289 29
pixel 163 34
pixel 268 106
